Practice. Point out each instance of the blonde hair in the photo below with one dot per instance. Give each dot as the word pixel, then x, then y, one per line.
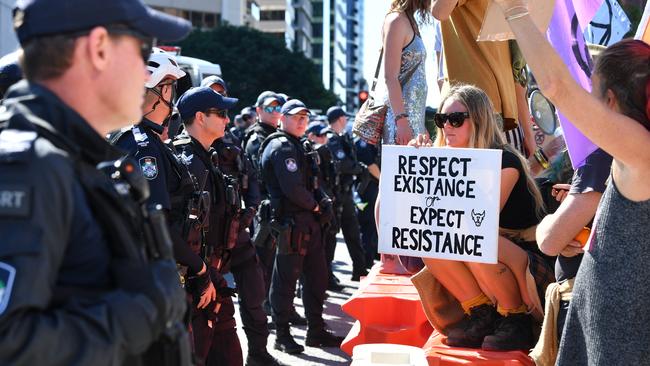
pixel 485 132
pixel 421 8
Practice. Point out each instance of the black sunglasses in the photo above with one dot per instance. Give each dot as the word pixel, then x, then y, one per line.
pixel 146 43
pixel 455 119
pixel 223 113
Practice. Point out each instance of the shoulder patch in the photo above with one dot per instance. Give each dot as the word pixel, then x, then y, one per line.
pixel 140 138
pixel 185 158
pixel 340 154
pixel 291 164
pixel 13 141
pixel 149 167
pixel 15 200
pixel 363 143
pixel 7 277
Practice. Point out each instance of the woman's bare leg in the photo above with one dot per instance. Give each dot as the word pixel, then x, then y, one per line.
pixel 500 281
pixel 456 278
pixel 517 260
pixel 390 264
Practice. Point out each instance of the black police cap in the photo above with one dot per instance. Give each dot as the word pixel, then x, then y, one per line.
pixel 36 18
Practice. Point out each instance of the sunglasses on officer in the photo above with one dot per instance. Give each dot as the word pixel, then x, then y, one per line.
pixel 455 119
pixel 271 109
pixel 222 113
pixel 146 43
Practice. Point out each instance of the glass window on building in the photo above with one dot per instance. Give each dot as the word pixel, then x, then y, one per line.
pixel 196 17
pixel 272 15
pixel 317 51
pixel 317 9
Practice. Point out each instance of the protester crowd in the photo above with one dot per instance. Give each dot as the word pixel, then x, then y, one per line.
pixel 121 212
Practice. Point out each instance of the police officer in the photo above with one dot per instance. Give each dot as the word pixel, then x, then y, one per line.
pixel 76 285
pixel 170 182
pixel 215 83
pixel 298 204
pixel 10 72
pixel 246 119
pixel 205 116
pixel 343 151
pixel 244 263
pixel 268 107
pixel 368 191
pixel 317 134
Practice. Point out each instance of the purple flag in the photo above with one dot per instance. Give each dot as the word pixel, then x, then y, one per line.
pixel 566 35
pixel 586 10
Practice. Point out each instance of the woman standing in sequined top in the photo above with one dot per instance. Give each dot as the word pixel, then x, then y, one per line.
pixel 404 71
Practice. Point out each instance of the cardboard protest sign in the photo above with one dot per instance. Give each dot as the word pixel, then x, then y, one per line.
pixel 440 203
pixel 496 28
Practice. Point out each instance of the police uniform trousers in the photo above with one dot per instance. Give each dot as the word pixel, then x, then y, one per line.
pixel 266 256
pixel 311 265
pixel 367 223
pixel 215 335
pixel 329 241
pixel 351 231
pixel 249 277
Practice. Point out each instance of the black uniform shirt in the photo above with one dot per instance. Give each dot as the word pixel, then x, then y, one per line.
pixel 144 145
pixel 255 136
pixel 52 242
pixel 199 161
pixel 343 150
pixel 285 171
pixel 166 182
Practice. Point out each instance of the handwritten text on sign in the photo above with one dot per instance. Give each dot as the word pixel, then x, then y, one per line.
pixel 440 203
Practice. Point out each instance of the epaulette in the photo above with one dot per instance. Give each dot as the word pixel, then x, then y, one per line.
pixel 15 145
pixel 140 138
pixel 182 140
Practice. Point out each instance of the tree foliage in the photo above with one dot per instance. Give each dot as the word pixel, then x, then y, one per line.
pixel 252 62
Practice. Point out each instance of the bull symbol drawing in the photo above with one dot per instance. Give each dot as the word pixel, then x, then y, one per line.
pixel 478 218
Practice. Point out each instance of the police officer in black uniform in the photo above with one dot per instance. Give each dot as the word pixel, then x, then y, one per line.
pixel 205 116
pixel 170 182
pixel 246 119
pixel 290 173
pixel 244 263
pixel 368 191
pixel 82 283
pixel 317 134
pixel 343 151
pixel 268 106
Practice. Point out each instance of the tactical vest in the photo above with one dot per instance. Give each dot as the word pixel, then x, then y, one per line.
pixel 133 232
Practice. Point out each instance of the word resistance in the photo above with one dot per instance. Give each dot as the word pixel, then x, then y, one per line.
pixel 437 241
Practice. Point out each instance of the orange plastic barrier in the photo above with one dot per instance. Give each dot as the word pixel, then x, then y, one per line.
pixel 387 308
pixel 439 354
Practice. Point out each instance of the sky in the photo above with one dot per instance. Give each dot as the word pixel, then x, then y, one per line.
pixel 375 10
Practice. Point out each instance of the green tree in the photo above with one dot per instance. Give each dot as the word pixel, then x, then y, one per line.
pixel 252 62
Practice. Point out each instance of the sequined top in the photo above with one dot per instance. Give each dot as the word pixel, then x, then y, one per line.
pixel 412 77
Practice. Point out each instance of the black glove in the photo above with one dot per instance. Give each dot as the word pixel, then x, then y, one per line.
pixel 225 292
pixel 247 217
pixel 157 280
pixel 197 285
pixel 326 210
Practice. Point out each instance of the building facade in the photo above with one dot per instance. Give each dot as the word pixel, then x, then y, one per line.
pixel 339 49
pixel 290 20
pixel 207 14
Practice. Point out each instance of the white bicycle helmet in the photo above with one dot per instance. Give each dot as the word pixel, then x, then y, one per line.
pixel 161 65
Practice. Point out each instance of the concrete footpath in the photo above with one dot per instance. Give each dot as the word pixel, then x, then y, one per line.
pixel 337 321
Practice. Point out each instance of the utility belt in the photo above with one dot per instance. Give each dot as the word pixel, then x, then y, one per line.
pixel 290 238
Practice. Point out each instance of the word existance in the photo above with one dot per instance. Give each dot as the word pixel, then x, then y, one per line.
pixel 431 175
